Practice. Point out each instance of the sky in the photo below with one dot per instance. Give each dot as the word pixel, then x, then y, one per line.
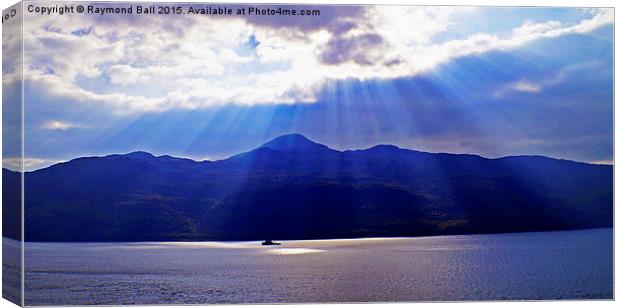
pixel 492 81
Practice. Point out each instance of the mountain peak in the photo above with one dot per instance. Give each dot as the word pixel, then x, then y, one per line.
pixel 385 148
pixel 292 142
pixel 139 154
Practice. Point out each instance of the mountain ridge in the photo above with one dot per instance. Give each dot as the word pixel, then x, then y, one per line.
pixel 141 153
pixel 293 188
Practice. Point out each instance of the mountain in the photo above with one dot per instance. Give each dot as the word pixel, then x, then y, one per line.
pixel 294 143
pixel 293 188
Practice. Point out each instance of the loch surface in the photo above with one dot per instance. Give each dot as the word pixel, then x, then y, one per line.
pixel 520 266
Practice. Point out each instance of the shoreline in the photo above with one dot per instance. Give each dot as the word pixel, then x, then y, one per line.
pixel 302 240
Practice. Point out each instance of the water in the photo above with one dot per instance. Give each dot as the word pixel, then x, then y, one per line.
pixel 525 266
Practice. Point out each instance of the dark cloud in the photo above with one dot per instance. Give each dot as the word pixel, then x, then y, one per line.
pixel 393 62
pixel 335 19
pixel 362 49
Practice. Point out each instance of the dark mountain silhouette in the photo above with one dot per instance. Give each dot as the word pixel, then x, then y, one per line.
pixel 295 143
pixel 293 188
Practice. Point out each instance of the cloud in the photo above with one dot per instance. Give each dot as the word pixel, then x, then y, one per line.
pixel 333 19
pixel 524 86
pixel 58 125
pixel 556 78
pixel 531 28
pixel 157 63
pixel 364 49
pixel 603 162
pixel 28 163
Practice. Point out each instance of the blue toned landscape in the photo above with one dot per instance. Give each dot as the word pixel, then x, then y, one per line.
pixel 519 266
pixel 397 153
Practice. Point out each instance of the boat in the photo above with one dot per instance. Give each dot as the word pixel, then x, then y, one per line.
pixel 269 243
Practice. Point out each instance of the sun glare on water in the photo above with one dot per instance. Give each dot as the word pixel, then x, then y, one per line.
pixel 292 251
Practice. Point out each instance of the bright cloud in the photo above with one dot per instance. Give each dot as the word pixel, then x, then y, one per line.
pixel 526 87
pixel 58 125
pixel 155 63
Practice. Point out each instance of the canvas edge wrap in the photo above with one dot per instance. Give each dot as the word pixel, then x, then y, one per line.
pixel 12 155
